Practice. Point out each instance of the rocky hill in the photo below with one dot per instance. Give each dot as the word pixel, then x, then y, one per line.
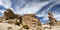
pixel 12 21
pixel 25 22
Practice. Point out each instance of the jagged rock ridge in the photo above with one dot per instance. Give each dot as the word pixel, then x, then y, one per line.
pixel 28 21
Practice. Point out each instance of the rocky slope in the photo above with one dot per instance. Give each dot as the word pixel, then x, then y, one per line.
pixel 11 21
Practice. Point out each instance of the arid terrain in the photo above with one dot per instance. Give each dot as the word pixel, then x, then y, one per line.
pixel 11 21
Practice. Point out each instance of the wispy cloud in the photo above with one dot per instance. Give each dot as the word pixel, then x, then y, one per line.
pixel 5 3
pixel 31 7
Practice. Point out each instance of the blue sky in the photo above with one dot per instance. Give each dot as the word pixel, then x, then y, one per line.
pixel 38 7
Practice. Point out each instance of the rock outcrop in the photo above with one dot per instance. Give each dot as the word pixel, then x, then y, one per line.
pixel 11 21
pixel 8 14
pixel 10 17
pixel 31 21
pixel 51 19
pixel 27 21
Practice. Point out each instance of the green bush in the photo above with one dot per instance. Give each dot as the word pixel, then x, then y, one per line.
pixel 25 26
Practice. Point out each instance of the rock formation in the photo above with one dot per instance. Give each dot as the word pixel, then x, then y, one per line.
pixel 31 21
pixel 8 14
pixel 16 16
pixel 27 21
pixel 10 17
pixel 51 18
pixel 32 15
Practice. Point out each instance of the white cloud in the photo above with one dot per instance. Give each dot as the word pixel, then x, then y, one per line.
pixel 57 16
pixel 5 3
pixel 2 11
pixel 30 8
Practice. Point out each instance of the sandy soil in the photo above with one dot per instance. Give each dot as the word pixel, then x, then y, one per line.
pixel 6 26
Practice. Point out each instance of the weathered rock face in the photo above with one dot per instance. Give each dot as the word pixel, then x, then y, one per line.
pixel 16 16
pixel 10 17
pixel 31 21
pixel 32 15
pixel 51 18
pixel 8 14
pixel 27 21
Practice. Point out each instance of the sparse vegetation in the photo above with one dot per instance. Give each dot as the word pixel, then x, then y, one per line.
pixel 17 23
pixel 25 26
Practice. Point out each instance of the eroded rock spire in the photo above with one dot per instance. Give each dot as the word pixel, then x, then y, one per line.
pixel 51 18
